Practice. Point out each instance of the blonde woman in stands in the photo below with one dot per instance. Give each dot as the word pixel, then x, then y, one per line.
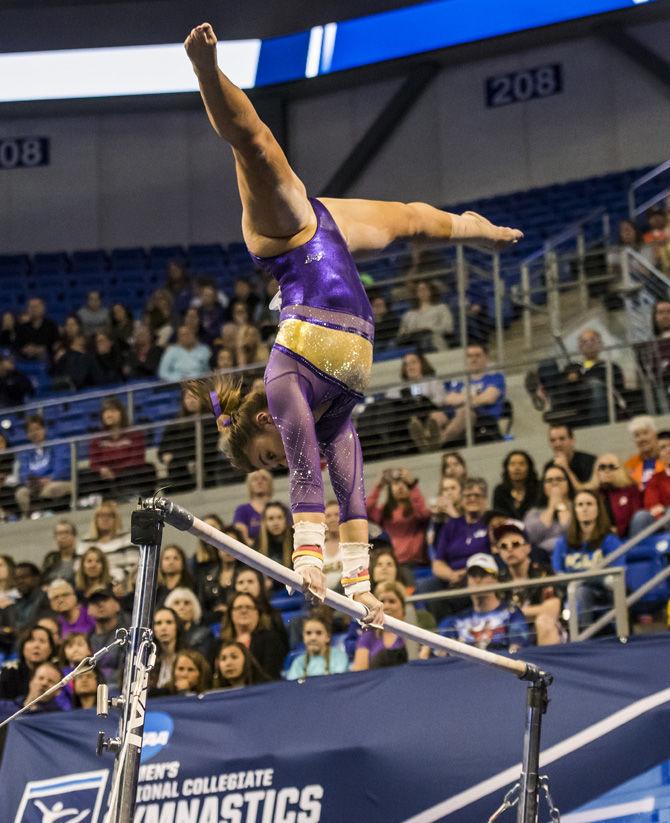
pixel 623 499
pixel 93 572
pixel 374 645
pixel 332 555
pixel 107 532
pixel 320 363
pixel 191 673
pixel 447 505
pixel 247 516
pixel 250 347
pixel 275 539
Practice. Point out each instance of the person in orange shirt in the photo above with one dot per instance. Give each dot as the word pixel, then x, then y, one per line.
pixel 646 463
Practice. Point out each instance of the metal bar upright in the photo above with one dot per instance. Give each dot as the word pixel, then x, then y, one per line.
pixel 498 287
pixel 462 297
pixel 581 271
pixel 526 298
pixel 529 788
pixel 146 532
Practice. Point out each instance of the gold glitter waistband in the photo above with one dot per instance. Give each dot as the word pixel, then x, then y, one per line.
pixel 340 354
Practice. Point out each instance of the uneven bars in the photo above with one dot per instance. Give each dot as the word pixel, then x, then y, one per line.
pixel 183 520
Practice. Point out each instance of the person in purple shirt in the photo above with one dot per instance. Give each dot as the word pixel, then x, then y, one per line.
pixel 320 362
pixel 459 538
pixel 72 616
pixel 247 516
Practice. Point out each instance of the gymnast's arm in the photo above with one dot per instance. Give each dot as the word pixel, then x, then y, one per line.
pixel 372 225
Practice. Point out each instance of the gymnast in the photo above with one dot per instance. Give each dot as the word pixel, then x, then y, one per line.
pixel 320 363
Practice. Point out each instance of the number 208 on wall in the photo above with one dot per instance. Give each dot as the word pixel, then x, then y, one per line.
pixel 23 152
pixel 520 86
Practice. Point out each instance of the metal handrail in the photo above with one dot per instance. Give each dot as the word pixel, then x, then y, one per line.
pixel 634 210
pixel 113 389
pixel 445 375
pixel 571 231
pixel 616 573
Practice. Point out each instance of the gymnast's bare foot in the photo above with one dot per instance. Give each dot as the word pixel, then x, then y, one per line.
pixel 472 227
pixel 200 47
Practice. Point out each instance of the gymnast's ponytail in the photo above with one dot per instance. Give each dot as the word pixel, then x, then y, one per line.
pixel 235 414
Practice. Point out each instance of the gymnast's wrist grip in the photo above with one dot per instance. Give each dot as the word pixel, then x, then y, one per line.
pixel 355 572
pixel 307 556
pixel 308 541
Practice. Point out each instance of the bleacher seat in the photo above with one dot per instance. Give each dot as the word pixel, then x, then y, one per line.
pixel 131 258
pixel 14 264
pixel 89 261
pixel 643 562
pixel 56 262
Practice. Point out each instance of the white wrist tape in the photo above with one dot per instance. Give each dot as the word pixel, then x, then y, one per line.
pixel 355 571
pixel 308 542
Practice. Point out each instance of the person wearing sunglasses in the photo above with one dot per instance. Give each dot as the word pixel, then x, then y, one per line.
pixel 657 493
pixel 621 495
pixel 541 605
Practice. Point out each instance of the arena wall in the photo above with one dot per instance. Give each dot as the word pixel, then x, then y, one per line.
pixel 121 179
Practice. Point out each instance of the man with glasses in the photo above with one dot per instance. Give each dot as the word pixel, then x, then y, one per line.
pixel 540 605
pixel 460 537
pixel 578 465
pixel 60 563
pixel 489 623
pixel 645 463
pixel 72 617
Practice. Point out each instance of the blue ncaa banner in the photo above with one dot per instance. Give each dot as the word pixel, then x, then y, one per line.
pixel 424 742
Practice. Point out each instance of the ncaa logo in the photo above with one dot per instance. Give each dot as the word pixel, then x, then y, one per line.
pixel 158 728
pixel 73 798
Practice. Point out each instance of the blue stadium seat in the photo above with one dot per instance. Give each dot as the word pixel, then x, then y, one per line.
pixel 131 258
pixel 288 602
pixel 89 261
pixel 14 264
pixel 50 262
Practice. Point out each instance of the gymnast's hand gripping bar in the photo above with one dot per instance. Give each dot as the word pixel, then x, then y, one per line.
pixel 183 520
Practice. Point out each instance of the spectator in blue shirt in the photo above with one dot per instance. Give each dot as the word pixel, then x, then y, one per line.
pixel 487 395
pixel 44 472
pixel 459 538
pixel 489 623
pixel 588 540
pixel 187 358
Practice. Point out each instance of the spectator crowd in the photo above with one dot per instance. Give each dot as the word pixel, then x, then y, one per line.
pixel 219 624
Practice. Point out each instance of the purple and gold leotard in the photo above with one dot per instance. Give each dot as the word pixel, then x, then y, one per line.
pixel 320 366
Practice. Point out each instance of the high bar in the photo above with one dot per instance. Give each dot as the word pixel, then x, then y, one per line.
pixel 182 519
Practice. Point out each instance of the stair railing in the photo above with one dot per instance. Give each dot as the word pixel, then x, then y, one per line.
pixel 635 209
